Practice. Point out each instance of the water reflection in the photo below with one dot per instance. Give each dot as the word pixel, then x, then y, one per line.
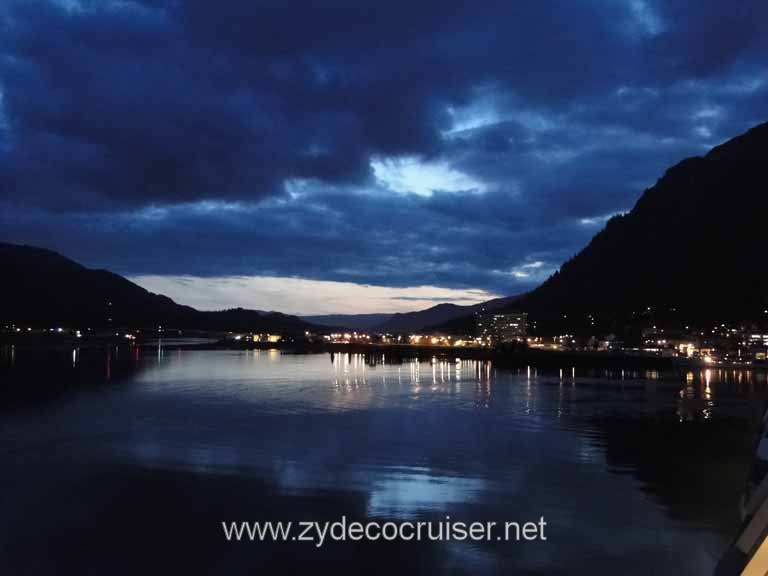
pixel 440 370
pixel 354 374
pixel 7 355
pixel 404 493
pixel 612 458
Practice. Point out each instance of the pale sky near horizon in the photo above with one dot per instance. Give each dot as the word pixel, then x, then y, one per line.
pixel 315 297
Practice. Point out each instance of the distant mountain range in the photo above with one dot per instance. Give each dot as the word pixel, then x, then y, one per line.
pixel 407 321
pixel 693 249
pixel 41 287
pixel 436 315
pixel 360 322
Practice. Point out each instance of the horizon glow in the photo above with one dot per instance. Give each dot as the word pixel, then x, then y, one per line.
pixel 303 297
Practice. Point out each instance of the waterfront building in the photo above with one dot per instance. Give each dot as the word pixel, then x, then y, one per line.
pixel 502 327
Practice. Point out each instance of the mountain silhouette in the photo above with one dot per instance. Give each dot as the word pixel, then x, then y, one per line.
pixel 398 322
pixel 693 247
pixel 43 288
pixel 349 321
pixel 439 314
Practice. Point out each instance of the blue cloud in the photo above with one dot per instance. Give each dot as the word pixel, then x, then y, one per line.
pixel 449 144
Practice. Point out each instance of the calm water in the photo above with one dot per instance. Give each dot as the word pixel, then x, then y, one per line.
pixel 128 462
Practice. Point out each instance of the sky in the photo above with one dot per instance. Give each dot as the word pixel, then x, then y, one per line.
pixel 350 156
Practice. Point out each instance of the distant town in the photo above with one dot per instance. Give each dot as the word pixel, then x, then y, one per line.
pixel 736 344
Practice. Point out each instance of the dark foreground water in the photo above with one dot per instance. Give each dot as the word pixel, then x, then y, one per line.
pixel 127 462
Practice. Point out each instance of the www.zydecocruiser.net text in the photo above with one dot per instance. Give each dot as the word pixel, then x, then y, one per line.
pixel 343 530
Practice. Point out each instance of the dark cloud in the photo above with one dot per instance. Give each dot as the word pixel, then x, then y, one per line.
pixel 239 137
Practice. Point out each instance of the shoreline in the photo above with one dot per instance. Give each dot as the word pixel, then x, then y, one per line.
pixel 520 358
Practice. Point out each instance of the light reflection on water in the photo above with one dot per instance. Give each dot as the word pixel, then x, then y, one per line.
pixel 610 458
